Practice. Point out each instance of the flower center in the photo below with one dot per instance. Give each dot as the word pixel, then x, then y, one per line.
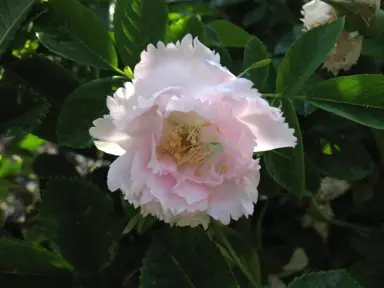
pixel 183 142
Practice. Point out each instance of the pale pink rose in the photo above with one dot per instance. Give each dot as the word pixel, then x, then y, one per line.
pixel 185 131
pixel 347 49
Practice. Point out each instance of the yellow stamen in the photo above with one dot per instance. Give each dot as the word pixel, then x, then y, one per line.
pixel 184 144
pixel 223 169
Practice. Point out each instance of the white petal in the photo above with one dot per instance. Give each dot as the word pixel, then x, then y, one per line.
pixel 105 130
pixel 110 148
pixel 317 12
pixel 268 126
pixel 226 202
pixel 188 65
pixel 191 192
pixel 119 171
pixel 113 141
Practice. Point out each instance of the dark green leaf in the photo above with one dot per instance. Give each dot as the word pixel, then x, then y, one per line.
pixel 329 279
pixel 255 51
pixel 12 14
pixel 229 34
pixel 80 220
pixel 170 264
pixel 81 108
pixel 293 159
pixel 305 55
pixel 344 159
pixel 368 273
pixel 187 25
pixel 302 106
pixel 280 167
pixel 21 111
pixel 78 35
pixel 138 23
pixel 46 165
pixel 43 76
pixel 371 117
pixel 24 258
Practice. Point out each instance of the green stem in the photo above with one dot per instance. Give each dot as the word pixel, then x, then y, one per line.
pixel 272 95
pixel 122 73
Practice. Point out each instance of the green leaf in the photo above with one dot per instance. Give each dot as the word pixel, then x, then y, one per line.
pixel 81 108
pixel 43 76
pixel 78 35
pixel 371 117
pixel 344 159
pixel 169 264
pixel 21 111
pixel 31 143
pixel 302 106
pixel 187 25
pixel 12 14
pixel 24 258
pixel 305 55
pixel 280 166
pixel 229 34
pixel 287 166
pixel 254 53
pixel 80 220
pixel 138 23
pixel 361 90
pixel 329 279
pixel 368 273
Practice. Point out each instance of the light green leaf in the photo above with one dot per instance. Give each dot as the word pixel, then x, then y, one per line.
pixel 138 23
pixel 329 279
pixel 229 34
pixel 256 63
pixel 169 264
pixel 361 90
pixel 187 25
pixel 305 55
pixel 12 14
pixel 23 258
pixel 81 108
pixel 80 219
pixel 77 34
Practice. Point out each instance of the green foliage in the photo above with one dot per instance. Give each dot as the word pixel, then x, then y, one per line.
pixel 254 52
pixel 21 111
pixel 305 55
pixel 30 259
pixel 188 25
pixel 319 206
pixel 12 14
pixel 138 23
pixel 229 34
pixel 75 33
pixel 330 279
pixel 80 220
pixel 172 258
pixel 84 105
